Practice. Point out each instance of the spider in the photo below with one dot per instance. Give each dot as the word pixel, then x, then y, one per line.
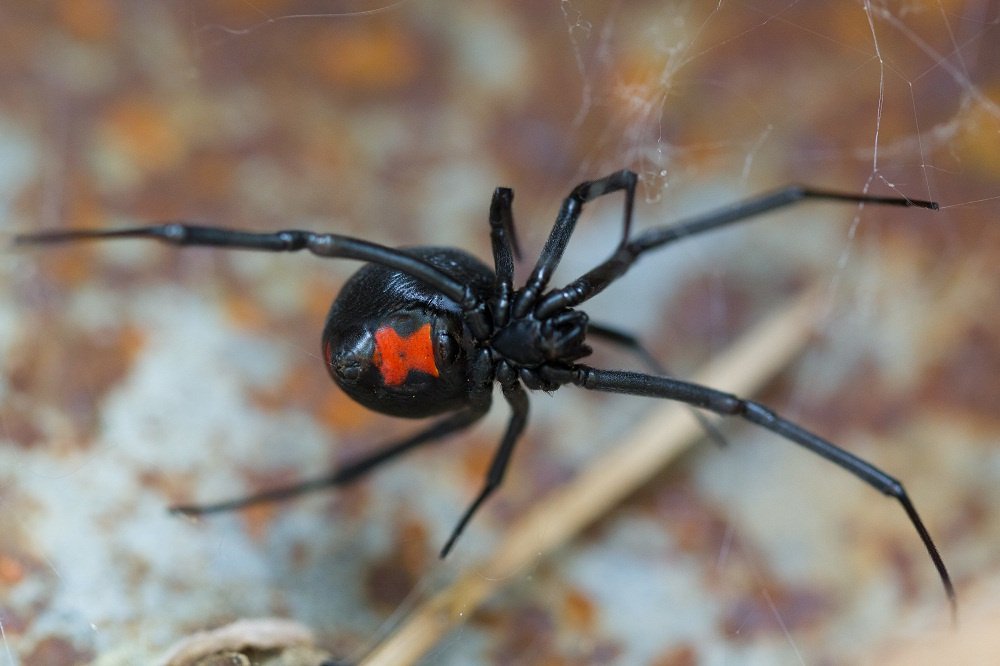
pixel 425 331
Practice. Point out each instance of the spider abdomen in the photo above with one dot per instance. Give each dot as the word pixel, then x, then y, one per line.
pixel 398 346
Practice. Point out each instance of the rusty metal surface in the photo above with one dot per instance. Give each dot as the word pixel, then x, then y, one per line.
pixel 135 376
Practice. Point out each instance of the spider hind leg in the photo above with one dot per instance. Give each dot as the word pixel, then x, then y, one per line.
pixel 726 404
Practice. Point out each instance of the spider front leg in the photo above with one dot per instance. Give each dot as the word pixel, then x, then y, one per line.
pixel 634 383
pixel 629 251
pixel 559 237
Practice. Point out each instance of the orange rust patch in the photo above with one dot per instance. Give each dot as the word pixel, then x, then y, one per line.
pixel 131 341
pixel 11 570
pixel 475 461
pixel 579 611
pixel 396 356
pixel 88 19
pixel 142 131
pixel 258 520
pixel 245 313
pixel 375 58
pixel 340 413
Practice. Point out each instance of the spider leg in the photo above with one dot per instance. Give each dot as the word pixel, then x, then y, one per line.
pixel 323 245
pixel 517 398
pixel 634 383
pixel 629 251
pixel 565 222
pixel 504 250
pixel 502 216
pixel 630 342
pixel 352 471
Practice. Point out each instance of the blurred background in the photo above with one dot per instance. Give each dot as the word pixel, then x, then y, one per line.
pixel 134 376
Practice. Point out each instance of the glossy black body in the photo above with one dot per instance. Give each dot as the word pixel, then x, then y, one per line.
pixel 424 331
pixel 376 296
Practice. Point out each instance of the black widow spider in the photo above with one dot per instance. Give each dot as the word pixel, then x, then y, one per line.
pixel 423 331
